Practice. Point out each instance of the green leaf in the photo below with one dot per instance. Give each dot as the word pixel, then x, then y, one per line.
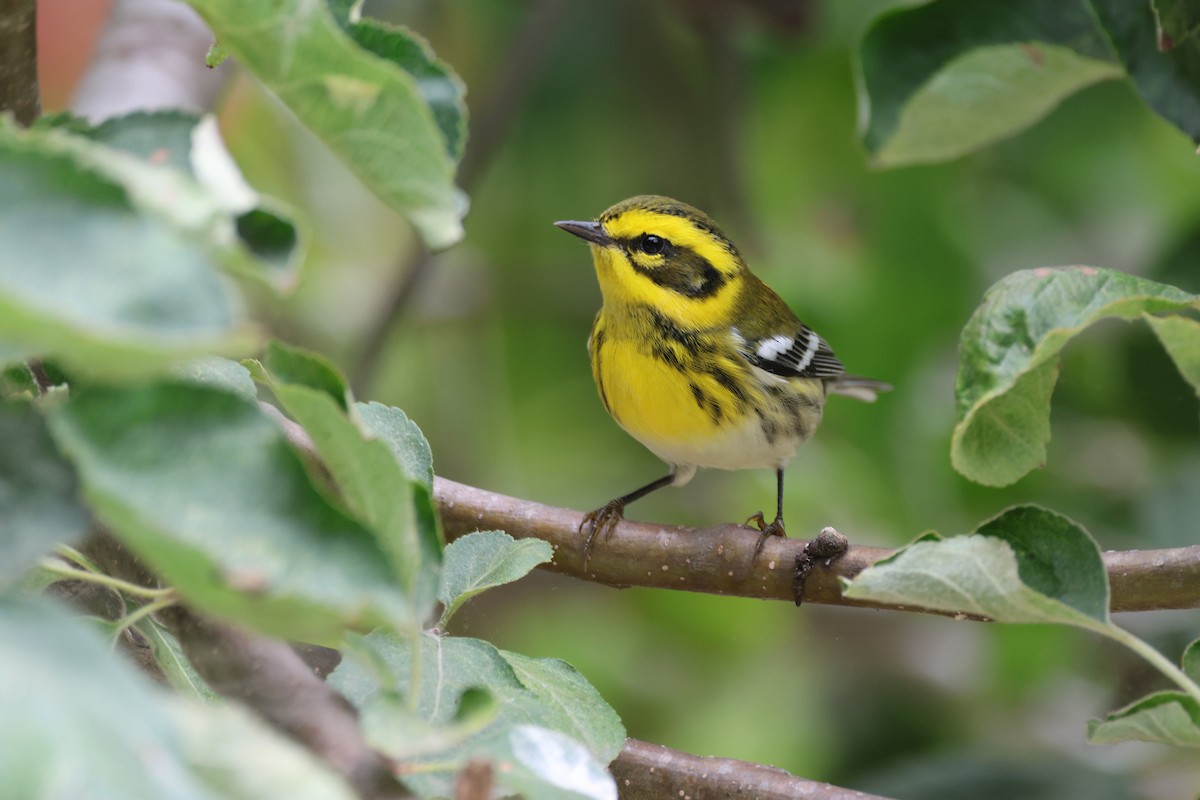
pixel 205 488
pixel 285 364
pixel 401 733
pixel 39 507
pixel 169 656
pixel 1166 71
pixel 1027 565
pixel 483 560
pixel 575 703
pixel 240 758
pixel 448 667
pixel 443 91
pixel 264 226
pixel 550 759
pixel 1166 717
pixel 135 287
pixel 219 373
pixel 1191 661
pixel 1008 359
pixel 1181 338
pixel 372 479
pixel 947 77
pixel 401 434
pixel 368 110
pixel 66 693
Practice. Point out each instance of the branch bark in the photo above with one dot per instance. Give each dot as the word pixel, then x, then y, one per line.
pixel 645 771
pixel 19 92
pixel 150 56
pixel 718 560
pixel 268 676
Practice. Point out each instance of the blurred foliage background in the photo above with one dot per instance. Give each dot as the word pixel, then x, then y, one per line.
pixel 748 110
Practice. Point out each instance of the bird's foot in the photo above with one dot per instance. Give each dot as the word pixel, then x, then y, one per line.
pixel 599 523
pixel 760 523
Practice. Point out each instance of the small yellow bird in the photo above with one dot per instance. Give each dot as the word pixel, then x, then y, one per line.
pixel 697 358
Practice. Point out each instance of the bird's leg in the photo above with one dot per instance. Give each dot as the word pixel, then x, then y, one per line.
pixel 776 527
pixel 602 521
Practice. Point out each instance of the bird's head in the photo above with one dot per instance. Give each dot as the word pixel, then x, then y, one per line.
pixel 657 252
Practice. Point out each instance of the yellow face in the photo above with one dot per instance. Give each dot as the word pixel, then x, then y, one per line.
pixel 659 253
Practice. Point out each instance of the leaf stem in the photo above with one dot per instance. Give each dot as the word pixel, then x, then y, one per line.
pixel 1156 659
pixel 73 573
pixel 140 613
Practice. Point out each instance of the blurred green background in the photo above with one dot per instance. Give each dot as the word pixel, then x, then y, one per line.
pixel 748 110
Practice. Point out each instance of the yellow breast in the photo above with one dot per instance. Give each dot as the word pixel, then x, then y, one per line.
pixel 700 403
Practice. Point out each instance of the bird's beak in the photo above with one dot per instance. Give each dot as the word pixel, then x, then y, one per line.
pixel 588 231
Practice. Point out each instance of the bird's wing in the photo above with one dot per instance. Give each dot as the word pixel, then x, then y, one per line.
pixel 802 354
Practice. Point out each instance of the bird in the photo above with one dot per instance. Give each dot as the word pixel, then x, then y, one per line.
pixel 698 359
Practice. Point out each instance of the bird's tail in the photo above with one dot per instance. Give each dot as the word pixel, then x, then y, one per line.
pixel 865 389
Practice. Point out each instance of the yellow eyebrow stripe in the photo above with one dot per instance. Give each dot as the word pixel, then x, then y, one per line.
pixel 678 231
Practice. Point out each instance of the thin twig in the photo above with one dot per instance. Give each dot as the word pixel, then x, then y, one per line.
pixel 645 771
pixel 719 560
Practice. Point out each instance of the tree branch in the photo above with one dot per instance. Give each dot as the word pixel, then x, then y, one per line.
pixel 19 92
pixel 150 56
pixel 645 771
pixel 268 676
pixel 718 560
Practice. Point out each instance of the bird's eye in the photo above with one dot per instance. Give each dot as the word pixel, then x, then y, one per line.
pixel 652 245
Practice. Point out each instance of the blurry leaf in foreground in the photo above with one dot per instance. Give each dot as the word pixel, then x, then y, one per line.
pixel 483 560
pixel 131 290
pixel 366 109
pixel 38 504
pixel 371 477
pixel 1008 359
pixel 449 667
pixel 77 721
pixel 205 488
pixel 259 226
pixel 944 78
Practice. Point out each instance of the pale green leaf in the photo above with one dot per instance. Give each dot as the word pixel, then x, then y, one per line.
pixel 1008 359
pixel 205 488
pixel 1027 565
pixel 168 654
pixel 240 758
pixel 483 560
pixel 448 667
pixel 368 471
pixel 1191 661
pixel 401 733
pixel 1166 717
pixel 1181 338
pixel 942 78
pixel 985 95
pixel 575 704
pixel 368 110
pixel 78 722
pixel 135 288
pixel 549 758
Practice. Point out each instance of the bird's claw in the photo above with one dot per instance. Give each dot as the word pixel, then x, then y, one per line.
pixel 774 529
pixel 599 523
